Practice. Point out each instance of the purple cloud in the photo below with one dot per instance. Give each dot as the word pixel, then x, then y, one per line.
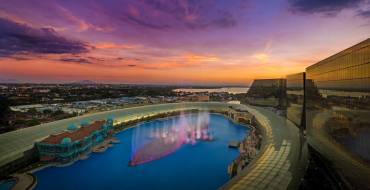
pixel 18 38
pixel 171 14
pixel 364 14
pixel 327 7
pixel 76 60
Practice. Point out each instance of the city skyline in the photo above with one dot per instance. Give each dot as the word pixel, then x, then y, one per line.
pixel 173 42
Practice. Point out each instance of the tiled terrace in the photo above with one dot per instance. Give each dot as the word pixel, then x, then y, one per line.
pixel 280 159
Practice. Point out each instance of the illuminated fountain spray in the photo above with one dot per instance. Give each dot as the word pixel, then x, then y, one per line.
pixel 158 140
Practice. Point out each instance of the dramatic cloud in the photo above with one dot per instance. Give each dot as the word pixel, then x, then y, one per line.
pixel 173 14
pixel 76 60
pixel 147 24
pixel 173 41
pixel 18 38
pixel 364 14
pixel 110 45
pixel 224 20
pixel 195 58
pixel 328 7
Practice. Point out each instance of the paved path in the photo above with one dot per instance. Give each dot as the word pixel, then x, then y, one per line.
pixel 24 181
pixel 281 162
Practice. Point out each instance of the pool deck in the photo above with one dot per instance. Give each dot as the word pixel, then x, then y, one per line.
pixel 282 156
pixel 24 181
pixel 14 143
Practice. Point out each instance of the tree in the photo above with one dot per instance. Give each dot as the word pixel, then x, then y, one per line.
pixel 58 112
pixel 47 111
pixel 4 106
pixel 32 111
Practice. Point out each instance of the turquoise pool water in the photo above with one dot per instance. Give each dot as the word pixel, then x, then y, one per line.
pixel 200 166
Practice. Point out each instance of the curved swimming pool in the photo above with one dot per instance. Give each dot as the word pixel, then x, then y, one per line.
pixel 202 165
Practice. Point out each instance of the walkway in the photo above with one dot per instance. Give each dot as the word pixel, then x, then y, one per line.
pixel 280 159
pixel 24 181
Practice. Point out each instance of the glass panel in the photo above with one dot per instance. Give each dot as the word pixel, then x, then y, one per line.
pixel 338 112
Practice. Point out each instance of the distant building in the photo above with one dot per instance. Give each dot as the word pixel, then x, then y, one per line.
pixel 41 90
pixel 196 98
pixel 69 145
pixel 267 92
pixel 202 98
pixel 37 107
pixel 73 110
pixel 25 108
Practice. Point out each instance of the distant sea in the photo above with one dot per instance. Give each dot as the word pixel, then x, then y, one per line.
pixel 230 90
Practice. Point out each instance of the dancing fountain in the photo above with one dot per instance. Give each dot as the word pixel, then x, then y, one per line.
pixel 156 142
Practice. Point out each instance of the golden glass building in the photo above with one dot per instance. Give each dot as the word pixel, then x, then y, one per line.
pixel 295 95
pixel 338 114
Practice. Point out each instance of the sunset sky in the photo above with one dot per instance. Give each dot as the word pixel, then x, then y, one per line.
pixel 173 41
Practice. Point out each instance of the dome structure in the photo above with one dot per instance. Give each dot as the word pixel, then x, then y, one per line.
pixel 72 127
pixel 66 140
pixel 84 123
pixel 110 118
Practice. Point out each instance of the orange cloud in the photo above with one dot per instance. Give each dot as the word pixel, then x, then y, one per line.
pixel 200 58
pixel 110 45
pixel 14 18
pixel 155 71
pixel 262 57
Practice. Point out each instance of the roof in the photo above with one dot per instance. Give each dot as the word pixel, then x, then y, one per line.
pixel 72 127
pixel 66 140
pixel 77 135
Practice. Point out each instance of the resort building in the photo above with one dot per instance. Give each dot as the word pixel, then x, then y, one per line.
pixel 69 145
pixel 337 114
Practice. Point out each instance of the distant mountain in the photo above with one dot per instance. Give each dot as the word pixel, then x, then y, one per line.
pixel 9 81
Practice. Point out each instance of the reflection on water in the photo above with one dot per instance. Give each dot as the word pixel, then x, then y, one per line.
pixel 360 144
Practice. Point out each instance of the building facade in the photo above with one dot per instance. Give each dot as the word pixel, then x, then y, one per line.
pixel 69 145
pixel 267 92
pixel 295 96
pixel 338 113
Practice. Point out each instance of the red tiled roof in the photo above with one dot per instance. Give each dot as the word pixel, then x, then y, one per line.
pixel 79 134
pixel 47 158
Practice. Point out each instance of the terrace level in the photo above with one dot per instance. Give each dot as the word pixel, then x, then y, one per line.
pixel 282 156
